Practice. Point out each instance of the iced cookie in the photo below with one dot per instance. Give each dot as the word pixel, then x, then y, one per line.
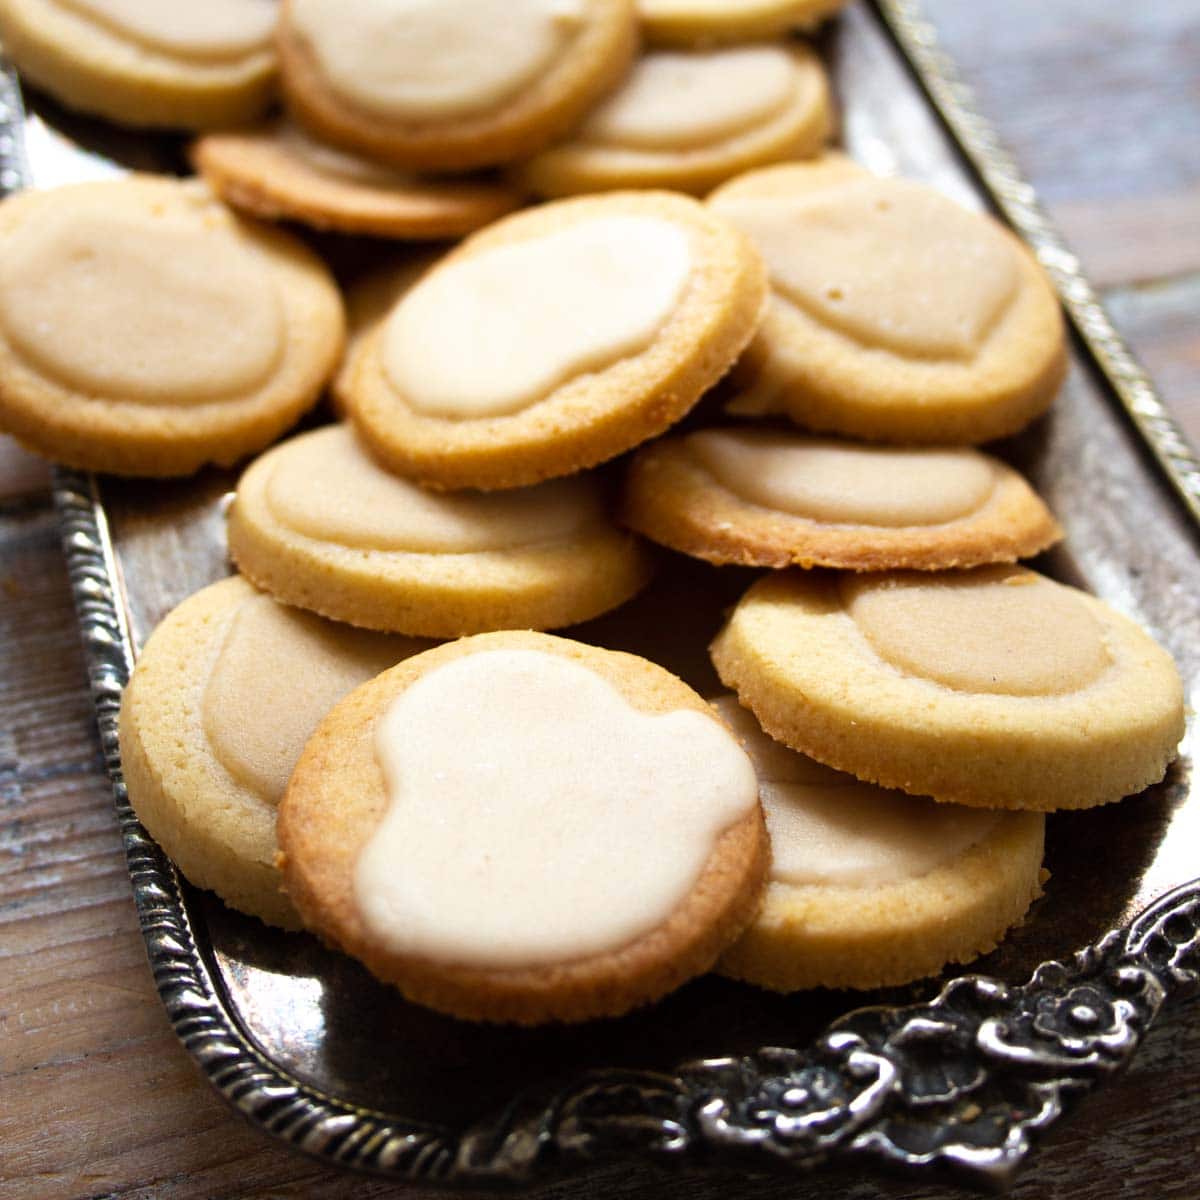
pixel 317 523
pixel 688 120
pixel 895 315
pixel 148 62
pixel 225 693
pixel 556 339
pixel 279 171
pixel 146 330
pixel 994 687
pixel 521 828
pixel 450 84
pixel 870 888
pixel 703 22
pixel 771 498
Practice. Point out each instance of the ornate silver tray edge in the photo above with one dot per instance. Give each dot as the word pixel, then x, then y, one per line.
pixel 1016 199
pixel 963 1082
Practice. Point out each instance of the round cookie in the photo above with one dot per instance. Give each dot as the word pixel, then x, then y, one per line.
pixel 147 330
pixel 278 171
pixel 994 687
pixel 223 697
pixel 704 22
pixel 620 849
pixel 446 85
pixel 556 339
pixel 895 315
pixel 147 62
pixel 770 498
pixel 688 120
pixel 870 888
pixel 317 523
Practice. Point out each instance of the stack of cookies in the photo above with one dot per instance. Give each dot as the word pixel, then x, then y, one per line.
pixel 367 732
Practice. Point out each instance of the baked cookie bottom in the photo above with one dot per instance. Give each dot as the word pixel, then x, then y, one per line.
pixel 91 69
pixel 673 500
pixel 812 935
pixel 253 171
pixel 797 660
pixel 336 799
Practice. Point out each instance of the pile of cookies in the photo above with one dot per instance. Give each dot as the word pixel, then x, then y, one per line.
pixel 367 731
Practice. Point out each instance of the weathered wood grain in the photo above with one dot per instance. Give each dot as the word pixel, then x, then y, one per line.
pixel 96 1095
pixel 1098 99
pixel 1100 103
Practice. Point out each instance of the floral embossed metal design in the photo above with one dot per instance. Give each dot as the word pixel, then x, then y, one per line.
pixel 962 1082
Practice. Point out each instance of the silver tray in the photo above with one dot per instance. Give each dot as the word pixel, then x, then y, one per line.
pixel 959 1074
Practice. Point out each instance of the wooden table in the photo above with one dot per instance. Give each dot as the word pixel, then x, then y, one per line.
pixel 1100 100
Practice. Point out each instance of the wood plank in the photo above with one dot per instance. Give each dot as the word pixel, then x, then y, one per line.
pixel 1097 99
pixel 97 1097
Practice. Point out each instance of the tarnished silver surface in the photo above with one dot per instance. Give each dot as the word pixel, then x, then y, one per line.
pixel 310 1048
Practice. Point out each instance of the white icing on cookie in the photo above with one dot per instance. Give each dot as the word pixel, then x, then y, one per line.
pixel 675 100
pixel 996 630
pixel 888 262
pixel 535 816
pixel 325 486
pixel 161 309
pixel 843 483
pixel 276 675
pixel 433 59
pixel 495 332
pixel 830 829
pixel 212 29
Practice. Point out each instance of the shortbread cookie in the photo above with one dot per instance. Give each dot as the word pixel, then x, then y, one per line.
pixel 450 84
pixel 225 693
pixel 279 171
pixel 895 314
pixel 369 299
pixel 146 330
pixel 704 22
pixel 318 524
pixel 994 687
pixel 516 827
pixel 870 888
pixel 688 120
pixel 556 339
pixel 769 498
pixel 148 62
